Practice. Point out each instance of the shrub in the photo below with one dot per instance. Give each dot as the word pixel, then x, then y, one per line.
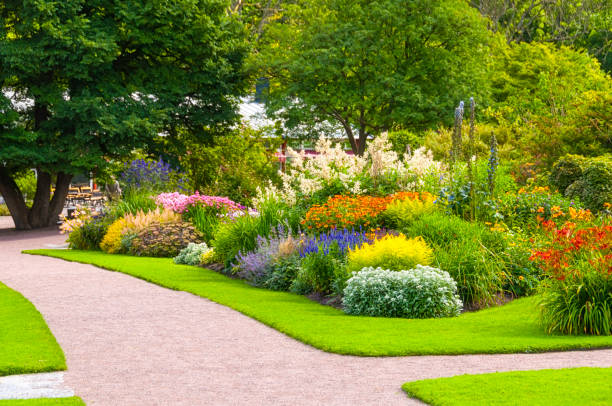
pixel 390 252
pixel 90 234
pixel 402 211
pixel 111 243
pixel 566 171
pixel 594 188
pixel 586 179
pixel 579 304
pixel 423 292
pixel 282 273
pixel 164 240
pixel 469 252
pixel 120 234
pixel 255 265
pixel 192 254
pixel 441 229
pixel 578 296
pixel 321 268
pixel 239 234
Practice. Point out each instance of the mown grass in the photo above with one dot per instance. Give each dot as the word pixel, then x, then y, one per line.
pixel 507 329
pixel 73 401
pixel 26 344
pixel 575 386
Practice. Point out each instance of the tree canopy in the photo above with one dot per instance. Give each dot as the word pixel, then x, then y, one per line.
pixel 87 81
pixel 367 65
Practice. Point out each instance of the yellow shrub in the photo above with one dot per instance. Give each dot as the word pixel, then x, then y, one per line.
pixel 141 220
pixel 401 212
pixel 133 223
pixel 391 252
pixel 111 243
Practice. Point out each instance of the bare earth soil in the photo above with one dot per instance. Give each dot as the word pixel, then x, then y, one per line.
pixel 129 342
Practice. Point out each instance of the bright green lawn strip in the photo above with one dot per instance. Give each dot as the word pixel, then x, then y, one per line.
pixel 575 386
pixel 26 344
pixel 44 402
pixel 507 329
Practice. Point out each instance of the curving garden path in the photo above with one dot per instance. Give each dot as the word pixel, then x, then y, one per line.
pixel 129 342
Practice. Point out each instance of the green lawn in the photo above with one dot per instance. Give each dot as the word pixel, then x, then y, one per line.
pixel 26 344
pixel 507 329
pixel 576 386
pixel 44 402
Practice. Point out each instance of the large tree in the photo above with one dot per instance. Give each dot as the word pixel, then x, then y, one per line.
pixel 87 81
pixel 368 65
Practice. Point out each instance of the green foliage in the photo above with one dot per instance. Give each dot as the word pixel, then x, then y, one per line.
pixel 132 202
pixel 553 97
pixel 586 179
pixel 420 293
pixel 594 187
pixel 578 304
pixel 164 240
pixel 370 65
pixel 467 251
pixel 232 165
pixel 191 254
pixel 240 234
pixel 26 182
pixel 403 141
pixel 204 218
pixel 576 23
pixel 282 273
pixel 506 329
pixel 320 269
pixel 566 171
pixel 401 212
pixel 4 211
pixel 90 234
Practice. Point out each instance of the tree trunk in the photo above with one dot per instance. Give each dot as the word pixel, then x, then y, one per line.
pixel 59 197
pixel 40 206
pixel 45 210
pixel 14 201
pixel 363 138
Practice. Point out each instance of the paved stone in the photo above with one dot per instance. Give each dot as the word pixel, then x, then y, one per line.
pixel 30 386
pixel 129 342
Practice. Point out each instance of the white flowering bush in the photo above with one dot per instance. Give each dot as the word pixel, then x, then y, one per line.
pixel 192 254
pixel 419 293
pixel 333 168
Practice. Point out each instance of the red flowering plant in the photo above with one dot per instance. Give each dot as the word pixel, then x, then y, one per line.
pixel 577 296
pixel 570 245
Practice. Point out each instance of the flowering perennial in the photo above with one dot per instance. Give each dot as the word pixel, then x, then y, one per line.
pixel 570 245
pixel 332 165
pixel 181 203
pixel 346 212
pixel 344 238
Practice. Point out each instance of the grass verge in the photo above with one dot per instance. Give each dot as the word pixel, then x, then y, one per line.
pixel 74 401
pixel 26 344
pixel 575 386
pixel 507 329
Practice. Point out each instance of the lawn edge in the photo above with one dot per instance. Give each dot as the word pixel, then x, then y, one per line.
pixel 51 253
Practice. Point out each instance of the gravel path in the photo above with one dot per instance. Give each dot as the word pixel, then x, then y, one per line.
pixel 129 342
